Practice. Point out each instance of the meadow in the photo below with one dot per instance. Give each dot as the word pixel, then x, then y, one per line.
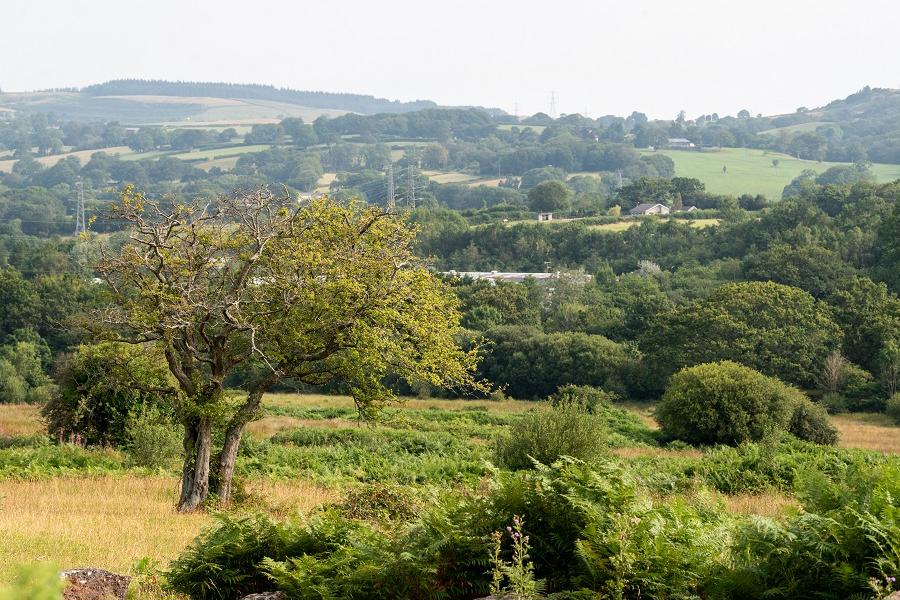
pixel 72 507
pixel 751 171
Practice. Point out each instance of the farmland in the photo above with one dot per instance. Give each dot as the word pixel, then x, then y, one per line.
pixel 751 171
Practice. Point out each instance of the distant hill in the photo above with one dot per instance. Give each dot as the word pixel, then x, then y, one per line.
pixel 359 103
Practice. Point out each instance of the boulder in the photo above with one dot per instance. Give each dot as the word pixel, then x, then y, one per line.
pixel 266 596
pixel 94 584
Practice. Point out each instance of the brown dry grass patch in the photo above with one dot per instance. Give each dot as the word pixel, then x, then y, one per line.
pixel 763 505
pixel 869 431
pixel 20 419
pixel 323 401
pixel 642 451
pixel 110 522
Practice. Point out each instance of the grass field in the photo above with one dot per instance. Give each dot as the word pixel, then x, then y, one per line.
pixel 623 225
pixel 83 155
pixel 111 520
pixel 751 172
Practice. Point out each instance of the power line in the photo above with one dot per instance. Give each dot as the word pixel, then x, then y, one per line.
pixel 80 223
pixel 390 186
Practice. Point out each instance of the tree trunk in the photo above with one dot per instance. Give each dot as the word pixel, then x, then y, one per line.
pixel 227 459
pixel 228 456
pixel 195 473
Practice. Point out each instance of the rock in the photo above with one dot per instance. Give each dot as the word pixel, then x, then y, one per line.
pixel 266 596
pixel 94 584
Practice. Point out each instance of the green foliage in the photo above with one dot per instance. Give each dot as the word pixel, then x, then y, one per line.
pixel 529 364
pixel 22 377
pixel 810 422
pixel 101 386
pixel 725 403
pixel 38 582
pixel 154 439
pixel 893 407
pixel 846 541
pixel 778 330
pixel 53 461
pixel 223 563
pixel 548 433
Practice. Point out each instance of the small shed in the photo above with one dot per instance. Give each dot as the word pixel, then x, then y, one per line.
pixel 545 216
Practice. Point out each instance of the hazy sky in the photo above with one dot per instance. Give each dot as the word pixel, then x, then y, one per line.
pixel 600 57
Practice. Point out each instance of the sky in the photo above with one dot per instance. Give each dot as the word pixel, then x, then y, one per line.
pixel 596 57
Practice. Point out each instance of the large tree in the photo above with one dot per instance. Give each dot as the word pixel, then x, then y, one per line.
pixel 310 292
pixel 778 330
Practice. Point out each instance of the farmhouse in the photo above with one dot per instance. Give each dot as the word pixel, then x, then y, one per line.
pixel 680 143
pixel 649 209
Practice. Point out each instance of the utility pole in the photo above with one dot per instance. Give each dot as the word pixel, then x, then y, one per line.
pixel 390 183
pixel 410 187
pixel 80 223
pixel 552 105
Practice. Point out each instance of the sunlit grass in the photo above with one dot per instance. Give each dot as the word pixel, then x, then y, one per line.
pixel 20 419
pixel 111 522
pixel 869 431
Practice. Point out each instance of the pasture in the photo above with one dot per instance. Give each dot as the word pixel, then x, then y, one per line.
pixel 751 171
pixel 70 507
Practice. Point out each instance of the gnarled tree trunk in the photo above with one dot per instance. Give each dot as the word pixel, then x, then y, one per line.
pixel 228 455
pixel 195 472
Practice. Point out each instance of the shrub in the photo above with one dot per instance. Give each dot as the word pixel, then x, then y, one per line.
pixel 22 378
pixel 100 386
pixel 893 407
pixel 548 433
pixel 591 398
pixel 154 439
pixel 834 403
pixel 810 422
pixel 724 403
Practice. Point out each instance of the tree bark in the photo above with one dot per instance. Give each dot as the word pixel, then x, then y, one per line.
pixel 228 456
pixel 195 473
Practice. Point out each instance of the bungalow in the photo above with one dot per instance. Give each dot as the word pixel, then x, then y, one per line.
pixel 649 209
pixel 680 143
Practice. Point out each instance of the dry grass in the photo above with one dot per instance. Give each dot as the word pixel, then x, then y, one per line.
pixel 20 419
pixel 269 426
pixel 110 522
pixel 323 401
pixel 764 505
pixel 100 522
pixel 868 431
pixel 642 451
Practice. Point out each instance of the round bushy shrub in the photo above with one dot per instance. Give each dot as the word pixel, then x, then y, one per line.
pixel 893 407
pixel 100 387
pixel 811 422
pixel 725 403
pixel 548 433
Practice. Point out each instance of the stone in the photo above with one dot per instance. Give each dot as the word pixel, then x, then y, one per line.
pixel 94 584
pixel 266 596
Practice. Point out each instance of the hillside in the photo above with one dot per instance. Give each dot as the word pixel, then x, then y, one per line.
pixel 137 102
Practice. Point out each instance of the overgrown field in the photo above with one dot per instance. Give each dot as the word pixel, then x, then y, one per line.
pixel 751 171
pixel 72 506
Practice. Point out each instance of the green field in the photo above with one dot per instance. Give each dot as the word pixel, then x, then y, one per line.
pixel 751 171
